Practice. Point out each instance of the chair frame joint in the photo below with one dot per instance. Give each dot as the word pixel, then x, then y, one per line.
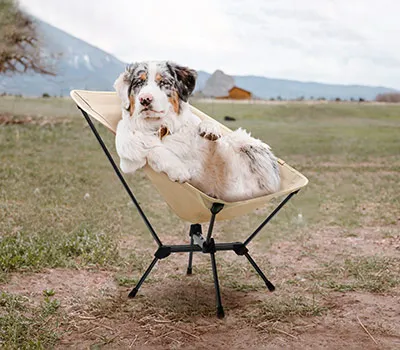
pixel 216 208
pixel 209 247
pixel 163 252
pixel 240 249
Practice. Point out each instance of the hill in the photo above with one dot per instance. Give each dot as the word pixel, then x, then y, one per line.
pixel 83 66
pixel 219 83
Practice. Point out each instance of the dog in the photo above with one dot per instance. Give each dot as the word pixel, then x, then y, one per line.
pixel 158 128
pixel 229 118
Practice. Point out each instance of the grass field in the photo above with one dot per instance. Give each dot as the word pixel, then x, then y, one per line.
pixel 72 245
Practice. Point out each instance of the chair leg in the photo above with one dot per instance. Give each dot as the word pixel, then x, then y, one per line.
pixel 220 310
pixel 134 291
pixel 269 285
pixel 189 269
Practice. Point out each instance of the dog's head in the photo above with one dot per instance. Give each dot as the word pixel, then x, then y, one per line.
pixel 151 90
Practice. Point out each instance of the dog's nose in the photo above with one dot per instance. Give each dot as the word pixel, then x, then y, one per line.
pixel 145 99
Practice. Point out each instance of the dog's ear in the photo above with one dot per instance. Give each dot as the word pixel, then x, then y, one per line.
pixel 123 86
pixel 185 78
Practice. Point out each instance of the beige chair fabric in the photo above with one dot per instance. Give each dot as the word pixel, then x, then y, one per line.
pixel 186 201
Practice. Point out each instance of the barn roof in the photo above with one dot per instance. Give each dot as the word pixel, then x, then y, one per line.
pixel 237 87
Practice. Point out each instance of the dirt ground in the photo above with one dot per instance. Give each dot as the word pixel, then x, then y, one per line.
pixel 179 312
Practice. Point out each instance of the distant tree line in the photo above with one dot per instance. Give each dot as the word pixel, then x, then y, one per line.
pixel 44 95
pixel 393 97
pixel 312 98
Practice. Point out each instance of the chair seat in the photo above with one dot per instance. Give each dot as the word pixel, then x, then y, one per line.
pixel 185 200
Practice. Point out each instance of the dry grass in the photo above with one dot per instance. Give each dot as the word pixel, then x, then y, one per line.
pixel 67 226
pixel 375 274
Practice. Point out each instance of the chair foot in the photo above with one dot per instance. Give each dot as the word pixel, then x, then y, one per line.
pixel 269 285
pixel 220 312
pixel 133 293
pixel 189 271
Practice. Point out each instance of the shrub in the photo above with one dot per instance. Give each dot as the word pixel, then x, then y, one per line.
pixel 389 97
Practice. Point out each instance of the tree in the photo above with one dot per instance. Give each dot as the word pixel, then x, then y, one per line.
pixel 388 97
pixel 20 48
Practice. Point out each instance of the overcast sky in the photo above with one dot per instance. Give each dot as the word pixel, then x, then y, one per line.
pixel 335 41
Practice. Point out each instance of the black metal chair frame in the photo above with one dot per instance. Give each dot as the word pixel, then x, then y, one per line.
pixel 198 243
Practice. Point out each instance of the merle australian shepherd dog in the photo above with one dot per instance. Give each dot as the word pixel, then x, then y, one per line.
pixel 158 128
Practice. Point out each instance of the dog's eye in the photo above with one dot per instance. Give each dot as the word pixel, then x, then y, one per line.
pixel 164 83
pixel 138 82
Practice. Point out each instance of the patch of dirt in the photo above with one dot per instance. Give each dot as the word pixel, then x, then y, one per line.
pixel 72 287
pixel 326 244
pixel 174 311
pixel 358 165
pixel 343 328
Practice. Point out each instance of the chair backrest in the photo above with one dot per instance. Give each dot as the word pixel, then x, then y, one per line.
pixel 186 201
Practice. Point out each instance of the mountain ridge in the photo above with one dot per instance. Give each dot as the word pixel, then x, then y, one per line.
pixel 84 66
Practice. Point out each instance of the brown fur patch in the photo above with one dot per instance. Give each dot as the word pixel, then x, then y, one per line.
pixel 174 100
pixel 163 131
pixel 158 77
pixel 131 105
pixel 143 76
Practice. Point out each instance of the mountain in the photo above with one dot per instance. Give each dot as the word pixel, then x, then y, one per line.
pixel 219 83
pixel 83 66
pixel 290 89
pixel 201 80
pixel 79 66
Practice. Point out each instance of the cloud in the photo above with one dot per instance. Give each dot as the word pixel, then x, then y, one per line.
pixel 336 41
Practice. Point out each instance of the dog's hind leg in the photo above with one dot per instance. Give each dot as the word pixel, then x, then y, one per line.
pixel 260 164
pixel 263 166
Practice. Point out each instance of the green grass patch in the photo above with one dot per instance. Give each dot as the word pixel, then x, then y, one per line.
pixel 26 326
pixel 126 281
pixel 33 252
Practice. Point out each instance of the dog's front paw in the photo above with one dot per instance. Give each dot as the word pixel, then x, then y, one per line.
pixel 128 166
pixel 209 130
pixel 179 176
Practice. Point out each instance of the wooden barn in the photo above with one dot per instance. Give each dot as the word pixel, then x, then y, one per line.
pixel 236 93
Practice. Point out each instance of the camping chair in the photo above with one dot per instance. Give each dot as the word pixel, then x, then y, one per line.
pixel 186 201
